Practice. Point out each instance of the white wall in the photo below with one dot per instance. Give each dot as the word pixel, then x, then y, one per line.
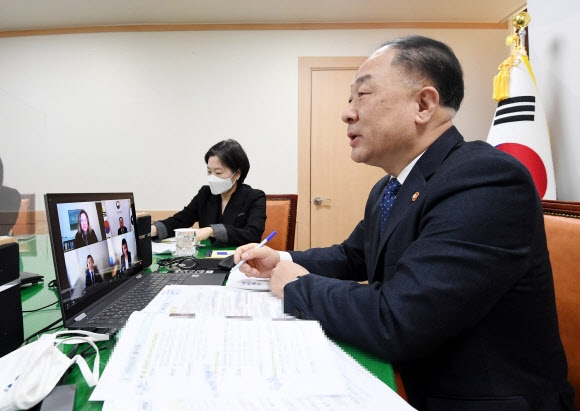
pixel 137 111
pixel 555 58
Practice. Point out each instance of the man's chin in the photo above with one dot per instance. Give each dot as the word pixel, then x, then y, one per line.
pixel 356 156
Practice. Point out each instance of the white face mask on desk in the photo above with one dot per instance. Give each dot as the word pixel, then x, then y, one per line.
pixel 219 185
pixel 31 372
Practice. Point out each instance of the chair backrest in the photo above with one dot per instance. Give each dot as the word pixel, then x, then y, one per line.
pixel 281 217
pixel 9 205
pixel 26 222
pixel 562 222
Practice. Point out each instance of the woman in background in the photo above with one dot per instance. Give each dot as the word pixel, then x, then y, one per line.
pixel 126 256
pixel 85 234
pixel 228 211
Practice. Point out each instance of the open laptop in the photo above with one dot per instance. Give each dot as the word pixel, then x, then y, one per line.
pixel 97 261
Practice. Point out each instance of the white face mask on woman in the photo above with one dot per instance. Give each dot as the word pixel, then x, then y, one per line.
pixel 219 185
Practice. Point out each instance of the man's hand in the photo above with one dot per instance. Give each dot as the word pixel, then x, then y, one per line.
pixel 282 274
pixel 259 261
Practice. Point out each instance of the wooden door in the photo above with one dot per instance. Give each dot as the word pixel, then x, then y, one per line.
pixel 326 170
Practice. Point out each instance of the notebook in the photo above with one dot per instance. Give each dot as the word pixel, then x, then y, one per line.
pixel 98 267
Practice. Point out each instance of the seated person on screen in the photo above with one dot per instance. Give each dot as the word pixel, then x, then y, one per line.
pixel 122 229
pixel 125 256
pixel 92 274
pixel 9 205
pixel 464 309
pixel 85 234
pixel 228 211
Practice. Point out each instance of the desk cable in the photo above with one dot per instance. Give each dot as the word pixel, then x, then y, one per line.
pixel 41 308
pixel 45 329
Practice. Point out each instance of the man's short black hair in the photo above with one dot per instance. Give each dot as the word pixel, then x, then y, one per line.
pixel 435 62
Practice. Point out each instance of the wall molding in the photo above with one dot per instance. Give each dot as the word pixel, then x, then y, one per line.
pixel 251 26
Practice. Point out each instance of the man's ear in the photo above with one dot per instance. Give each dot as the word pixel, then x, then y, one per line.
pixel 428 99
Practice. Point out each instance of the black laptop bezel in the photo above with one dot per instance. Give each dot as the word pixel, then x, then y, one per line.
pixel 70 312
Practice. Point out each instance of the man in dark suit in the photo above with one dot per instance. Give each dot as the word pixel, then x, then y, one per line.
pixel 92 275
pixel 460 293
pixel 122 229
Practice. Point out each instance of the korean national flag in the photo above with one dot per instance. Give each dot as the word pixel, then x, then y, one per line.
pixel 519 128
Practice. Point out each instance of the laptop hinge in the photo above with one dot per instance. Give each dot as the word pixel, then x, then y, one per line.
pixel 80 317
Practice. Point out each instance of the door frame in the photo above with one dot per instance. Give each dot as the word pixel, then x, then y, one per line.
pixel 306 65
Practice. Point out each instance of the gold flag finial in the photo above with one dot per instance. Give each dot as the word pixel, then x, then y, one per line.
pixel 521 20
pixel 501 80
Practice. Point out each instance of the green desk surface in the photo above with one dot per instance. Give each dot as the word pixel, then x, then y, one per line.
pixel 36 257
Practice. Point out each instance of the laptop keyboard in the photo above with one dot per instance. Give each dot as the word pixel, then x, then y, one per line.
pixel 138 297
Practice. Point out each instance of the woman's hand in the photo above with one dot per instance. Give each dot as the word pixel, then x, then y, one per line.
pixel 203 233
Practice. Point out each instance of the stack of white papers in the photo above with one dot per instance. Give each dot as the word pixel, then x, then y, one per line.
pixel 237 279
pixel 215 301
pixel 192 349
pixel 163 248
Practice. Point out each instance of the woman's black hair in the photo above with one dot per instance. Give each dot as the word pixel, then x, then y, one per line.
pixel 231 155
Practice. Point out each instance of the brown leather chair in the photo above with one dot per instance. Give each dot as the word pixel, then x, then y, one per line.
pixel 9 205
pixel 562 222
pixel 281 217
pixel 26 222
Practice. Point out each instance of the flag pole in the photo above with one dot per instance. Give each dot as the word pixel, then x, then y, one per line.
pixel 521 21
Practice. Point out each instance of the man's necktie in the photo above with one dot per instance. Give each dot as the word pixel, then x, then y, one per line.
pixel 387 199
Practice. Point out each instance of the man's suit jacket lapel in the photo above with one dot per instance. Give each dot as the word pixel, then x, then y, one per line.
pixel 402 205
pixel 416 182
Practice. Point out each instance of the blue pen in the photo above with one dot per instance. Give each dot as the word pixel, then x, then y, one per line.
pixel 238 265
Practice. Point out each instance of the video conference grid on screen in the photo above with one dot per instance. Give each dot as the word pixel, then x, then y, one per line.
pixel 99 245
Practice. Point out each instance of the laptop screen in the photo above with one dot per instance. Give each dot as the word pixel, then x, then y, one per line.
pixel 94 244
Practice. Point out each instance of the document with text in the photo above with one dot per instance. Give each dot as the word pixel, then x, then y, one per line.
pixel 363 392
pixel 215 348
pixel 181 358
pixel 211 300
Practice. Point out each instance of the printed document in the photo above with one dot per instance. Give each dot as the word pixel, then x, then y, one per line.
pixel 181 358
pixel 215 348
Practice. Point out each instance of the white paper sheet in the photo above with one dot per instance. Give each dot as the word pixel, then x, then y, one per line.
pixel 237 279
pixel 163 248
pixel 182 353
pixel 161 358
pixel 364 392
pixel 212 300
